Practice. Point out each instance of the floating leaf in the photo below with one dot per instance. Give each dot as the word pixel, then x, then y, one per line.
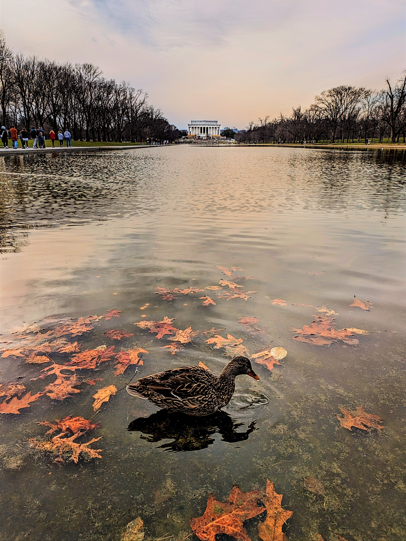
pixel 222 342
pixel 11 389
pixel 174 348
pixel 166 294
pixel 212 331
pixel 162 328
pixel 127 358
pixel 228 518
pixel 17 352
pixel 322 333
pixel 70 425
pixel 16 404
pixel 225 270
pixel 110 314
pixel 359 419
pixel 184 337
pixel 76 328
pixel 327 311
pixel 265 357
pixel 231 285
pixel 214 288
pixel 248 321
pixel 276 516
pixel 117 335
pixel 207 301
pixel 279 301
pixel 37 359
pixel 103 395
pixel 91 358
pixel 235 295
pixel 364 305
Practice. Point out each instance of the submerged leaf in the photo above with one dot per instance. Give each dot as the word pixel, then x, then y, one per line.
pixel 174 348
pixel 127 358
pixel 117 335
pixel 359 419
pixel 227 518
pixel 60 445
pixel 207 301
pixel 103 395
pixel 222 342
pixel 279 301
pixel 364 305
pixel 110 314
pixel 16 404
pixel 70 425
pixel 11 389
pixel 265 357
pixel 322 333
pixel 276 516
pixel 184 337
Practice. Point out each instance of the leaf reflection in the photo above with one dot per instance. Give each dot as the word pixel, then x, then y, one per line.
pixel 189 433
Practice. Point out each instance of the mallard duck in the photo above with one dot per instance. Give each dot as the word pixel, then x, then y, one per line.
pixel 192 390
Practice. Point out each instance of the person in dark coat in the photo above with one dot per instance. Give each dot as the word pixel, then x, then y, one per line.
pixel 34 135
pixel 4 136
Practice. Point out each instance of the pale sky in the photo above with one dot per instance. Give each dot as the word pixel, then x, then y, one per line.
pixel 226 60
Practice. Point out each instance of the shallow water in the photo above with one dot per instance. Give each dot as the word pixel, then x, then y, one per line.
pixel 83 234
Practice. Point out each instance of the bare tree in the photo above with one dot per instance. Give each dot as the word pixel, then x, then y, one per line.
pixel 394 100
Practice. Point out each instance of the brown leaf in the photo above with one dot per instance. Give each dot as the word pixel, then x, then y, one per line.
pixel 160 327
pixel 279 301
pixel 225 270
pixel 91 358
pixel 68 446
pixel 117 335
pixel 227 518
pixel 11 389
pixel 271 528
pixel 212 331
pixel 174 348
pixel 327 311
pixel 187 291
pixel 365 305
pixel 166 294
pixel 222 342
pixel 359 419
pixel 248 321
pixel 17 352
pixel 64 385
pixel 103 395
pixel 37 359
pixel 231 285
pixel 208 301
pixel 214 288
pixel 265 357
pixel 313 485
pixel 127 358
pixel 76 328
pixel 110 314
pixel 236 351
pixel 235 295
pixel 184 337
pixel 70 425
pixel 16 404
pixel 322 333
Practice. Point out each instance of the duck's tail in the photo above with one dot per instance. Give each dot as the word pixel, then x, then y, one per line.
pixel 132 390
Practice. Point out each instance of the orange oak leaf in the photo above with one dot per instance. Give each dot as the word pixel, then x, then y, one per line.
pixel 271 528
pixel 127 358
pixel 160 327
pixel 37 359
pixel 16 404
pixel 70 425
pixel 365 305
pixel 59 445
pixel 184 337
pixel 212 331
pixel 231 285
pixel 213 288
pixel 251 324
pixel 110 314
pixel 77 328
pixel 64 384
pixel 174 348
pixel 117 335
pixel 325 310
pixel 225 270
pixel 279 301
pixel 91 358
pixel 222 342
pixel 103 395
pixel 236 351
pixel 166 294
pixel 235 295
pixel 322 333
pixel 61 345
pixel 227 518
pixel 17 352
pixel 359 419
pixel 248 320
pixel 265 357
pixel 207 301
pixel 187 291
pixel 11 389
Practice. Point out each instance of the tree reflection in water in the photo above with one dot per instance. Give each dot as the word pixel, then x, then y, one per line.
pixel 189 433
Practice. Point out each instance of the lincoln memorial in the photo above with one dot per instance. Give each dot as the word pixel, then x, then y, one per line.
pixel 204 128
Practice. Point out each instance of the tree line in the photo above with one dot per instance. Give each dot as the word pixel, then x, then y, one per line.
pixel 38 92
pixel 343 113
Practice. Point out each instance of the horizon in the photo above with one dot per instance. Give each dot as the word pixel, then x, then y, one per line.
pixel 230 62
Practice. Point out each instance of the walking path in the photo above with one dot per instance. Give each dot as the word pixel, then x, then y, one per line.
pixel 73 149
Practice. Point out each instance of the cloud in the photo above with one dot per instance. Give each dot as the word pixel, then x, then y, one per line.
pixel 162 24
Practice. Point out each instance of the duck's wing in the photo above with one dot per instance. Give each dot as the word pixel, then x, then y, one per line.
pixel 182 383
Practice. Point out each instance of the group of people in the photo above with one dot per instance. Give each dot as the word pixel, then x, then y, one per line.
pixel 37 134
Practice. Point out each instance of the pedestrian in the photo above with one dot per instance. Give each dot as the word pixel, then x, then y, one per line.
pixel 60 138
pixel 14 136
pixel 4 136
pixel 24 138
pixel 34 135
pixel 68 138
pixel 41 137
pixel 52 136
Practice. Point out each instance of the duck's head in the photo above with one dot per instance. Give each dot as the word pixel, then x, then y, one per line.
pixel 239 366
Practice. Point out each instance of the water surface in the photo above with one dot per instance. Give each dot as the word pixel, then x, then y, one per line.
pixel 82 234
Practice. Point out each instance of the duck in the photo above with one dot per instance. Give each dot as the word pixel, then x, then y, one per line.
pixel 193 390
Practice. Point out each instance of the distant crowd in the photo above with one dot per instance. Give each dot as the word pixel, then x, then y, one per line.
pixel 35 134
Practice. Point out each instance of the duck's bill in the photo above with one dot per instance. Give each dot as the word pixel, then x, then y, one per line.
pixel 253 374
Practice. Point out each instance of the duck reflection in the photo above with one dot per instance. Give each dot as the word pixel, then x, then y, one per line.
pixel 189 433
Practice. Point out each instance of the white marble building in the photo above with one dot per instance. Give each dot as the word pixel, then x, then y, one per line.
pixel 204 128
